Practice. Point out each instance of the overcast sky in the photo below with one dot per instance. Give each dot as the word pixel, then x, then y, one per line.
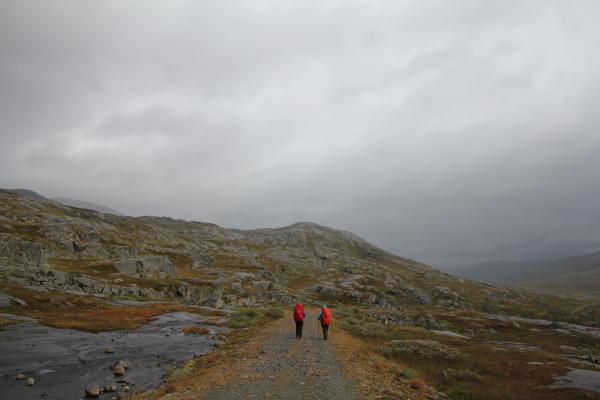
pixel 452 132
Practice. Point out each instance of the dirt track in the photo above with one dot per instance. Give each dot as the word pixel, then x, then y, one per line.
pixel 288 368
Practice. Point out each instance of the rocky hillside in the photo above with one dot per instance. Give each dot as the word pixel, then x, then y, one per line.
pixel 49 246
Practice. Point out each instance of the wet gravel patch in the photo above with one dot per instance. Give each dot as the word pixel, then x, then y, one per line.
pixel 63 361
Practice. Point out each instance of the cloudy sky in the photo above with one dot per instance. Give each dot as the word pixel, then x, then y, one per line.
pixel 452 132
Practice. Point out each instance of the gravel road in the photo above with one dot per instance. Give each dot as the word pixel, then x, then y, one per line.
pixel 288 368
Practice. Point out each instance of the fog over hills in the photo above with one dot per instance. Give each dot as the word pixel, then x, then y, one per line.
pixel 64 201
pixel 569 274
pixel 85 204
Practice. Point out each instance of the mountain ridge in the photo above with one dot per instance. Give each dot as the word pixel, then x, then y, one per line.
pixel 580 274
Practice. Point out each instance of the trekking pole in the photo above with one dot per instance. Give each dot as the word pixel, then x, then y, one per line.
pixel 317 334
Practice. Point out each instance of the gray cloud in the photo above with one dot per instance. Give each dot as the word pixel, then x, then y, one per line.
pixel 450 132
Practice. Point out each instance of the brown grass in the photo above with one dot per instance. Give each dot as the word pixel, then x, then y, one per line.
pixel 102 319
pixel 417 384
pixel 376 376
pixel 214 322
pixel 88 313
pixel 493 371
pixel 7 321
pixel 195 330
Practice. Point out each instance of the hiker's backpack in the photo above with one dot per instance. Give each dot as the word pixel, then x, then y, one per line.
pixel 299 312
pixel 326 317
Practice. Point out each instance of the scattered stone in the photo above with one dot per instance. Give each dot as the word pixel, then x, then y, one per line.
pixel 591 358
pixel 92 390
pixel 109 388
pixel 262 285
pixel 109 350
pixel 17 302
pixel 245 276
pixel 450 334
pixel 123 363
pixel 119 370
pixel 30 381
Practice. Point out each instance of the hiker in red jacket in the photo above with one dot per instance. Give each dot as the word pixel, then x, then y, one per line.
pixel 299 318
pixel 325 318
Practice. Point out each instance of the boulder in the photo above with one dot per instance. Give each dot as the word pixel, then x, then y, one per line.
pixel 202 261
pixel 4 300
pixel 119 370
pixel 445 293
pixel 17 302
pixel 30 381
pixel 109 388
pixel 20 376
pixel 17 250
pixel 324 289
pixel 261 285
pixel 123 363
pixel 202 292
pixel 92 390
pixel 245 276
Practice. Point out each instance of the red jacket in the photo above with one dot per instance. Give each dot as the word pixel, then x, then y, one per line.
pixel 299 312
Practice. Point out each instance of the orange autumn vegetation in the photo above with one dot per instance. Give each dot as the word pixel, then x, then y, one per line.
pixel 98 320
pixel 195 330
pixel 417 384
pixel 375 375
pixel 87 313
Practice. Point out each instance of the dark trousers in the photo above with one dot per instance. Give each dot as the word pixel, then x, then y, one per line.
pixel 325 330
pixel 299 325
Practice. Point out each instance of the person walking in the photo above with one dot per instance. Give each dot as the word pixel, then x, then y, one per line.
pixel 325 318
pixel 299 316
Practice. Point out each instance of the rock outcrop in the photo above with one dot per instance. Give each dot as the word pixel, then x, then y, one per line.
pixel 147 267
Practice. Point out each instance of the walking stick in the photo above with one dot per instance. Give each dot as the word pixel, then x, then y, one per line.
pixel 317 334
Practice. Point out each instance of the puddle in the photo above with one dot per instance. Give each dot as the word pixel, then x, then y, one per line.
pixel 64 361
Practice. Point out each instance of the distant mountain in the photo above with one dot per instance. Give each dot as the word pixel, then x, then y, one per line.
pixel 85 204
pixel 30 194
pixel 570 274
pixel 499 271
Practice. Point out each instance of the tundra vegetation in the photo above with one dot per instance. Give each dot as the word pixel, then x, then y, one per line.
pixel 419 330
